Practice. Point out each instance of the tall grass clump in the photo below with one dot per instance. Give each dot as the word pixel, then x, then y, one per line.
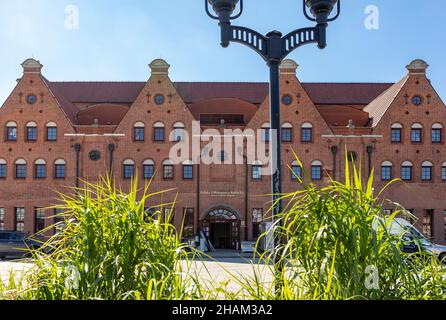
pixel 109 248
pixel 337 245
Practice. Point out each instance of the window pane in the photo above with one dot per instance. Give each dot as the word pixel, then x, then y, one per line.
pixel 416 135
pixel 159 134
pixel 316 172
pixel 168 172
pixel 266 134
pixel 19 219
pixel 39 219
pixel 257 218
pixel 188 172
pixel 406 173
pixel 139 134
pixel 31 134
pixel 443 173
pixel 60 171
pixel 20 171
pixel 179 134
pixel 2 219
pixel 51 133
pixel 129 171
pixel 2 170
pixel 428 223
pixel 436 135
pixel 40 171
pixel 396 135
pixel 256 172
pixel 287 134
pixel 12 133
pixel 426 173
pixel 296 172
pixel 386 173
pixel 148 171
pixel 307 134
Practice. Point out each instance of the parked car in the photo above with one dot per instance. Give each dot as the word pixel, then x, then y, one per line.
pixel 414 241
pixel 14 244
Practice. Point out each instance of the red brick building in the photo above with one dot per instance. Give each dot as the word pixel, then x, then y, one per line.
pixel 54 134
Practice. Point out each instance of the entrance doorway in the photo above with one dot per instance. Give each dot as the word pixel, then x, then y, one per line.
pixel 221 227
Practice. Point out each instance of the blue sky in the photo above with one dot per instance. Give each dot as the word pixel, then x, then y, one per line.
pixel 117 39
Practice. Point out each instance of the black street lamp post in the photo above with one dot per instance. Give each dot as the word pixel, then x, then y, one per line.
pixel 273 48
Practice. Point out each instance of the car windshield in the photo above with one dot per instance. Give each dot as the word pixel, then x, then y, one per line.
pixel 419 236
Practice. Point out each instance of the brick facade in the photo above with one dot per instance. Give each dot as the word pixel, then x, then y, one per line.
pixel 101 117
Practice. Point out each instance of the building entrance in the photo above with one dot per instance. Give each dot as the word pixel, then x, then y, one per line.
pixel 222 226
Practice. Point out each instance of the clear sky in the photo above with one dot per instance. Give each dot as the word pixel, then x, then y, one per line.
pixel 116 40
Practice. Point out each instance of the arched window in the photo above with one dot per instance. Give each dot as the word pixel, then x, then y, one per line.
pixel 396 133
pixel 168 170
pixel 296 171
pixel 406 171
pixel 11 131
pixel 443 171
pixel 257 170
pixel 3 169
pixel 416 133
pixel 60 169
pixel 287 132
pixel 266 132
pixel 158 132
pixel 188 170
pixel 386 171
pixel 178 132
pixel 307 132
pixel 139 131
pixel 148 169
pixel 31 131
pixel 426 171
pixel 20 169
pixel 51 131
pixel 40 169
pixel 437 133
pixel 128 169
pixel 316 170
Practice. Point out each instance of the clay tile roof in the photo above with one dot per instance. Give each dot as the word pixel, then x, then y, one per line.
pixel 67 106
pixel 339 115
pixel 223 106
pixel 344 93
pixel 106 114
pixel 378 107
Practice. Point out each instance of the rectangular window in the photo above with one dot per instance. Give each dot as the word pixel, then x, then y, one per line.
pixel 256 172
pixel 59 220
pixel 139 133
pixel 2 219
pixel 296 173
pixel 316 172
pixel 266 134
pixel 11 133
pixel 287 134
pixel 51 133
pixel 406 173
pixel 428 220
pixel 20 171
pixel 159 134
pixel 19 219
pixel 443 173
pixel 60 171
pixel 2 171
pixel 168 172
pixel 188 172
pixel 129 171
pixel 436 136
pixel 188 228
pixel 39 219
pixel 31 133
pixel 386 173
pixel 257 218
pixel 396 135
pixel 178 134
pixel 40 171
pixel 148 171
pixel 307 134
pixel 416 135
pixel 426 173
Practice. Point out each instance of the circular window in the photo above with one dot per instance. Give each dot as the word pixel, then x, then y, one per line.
pixel 417 100
pixel 31 99
pixel 159 99
pixel 95 155
pixel 287 100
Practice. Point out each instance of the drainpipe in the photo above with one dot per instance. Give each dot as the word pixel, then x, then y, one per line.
pixel 369 153
pixel 197 220
pixel 246 198
pixel 77 148
pixel 111 149
pixel 334 151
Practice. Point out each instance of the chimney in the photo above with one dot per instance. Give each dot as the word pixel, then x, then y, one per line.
pixel 417 66
pixel 32 66
pixel 289 67
pixel 159 67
